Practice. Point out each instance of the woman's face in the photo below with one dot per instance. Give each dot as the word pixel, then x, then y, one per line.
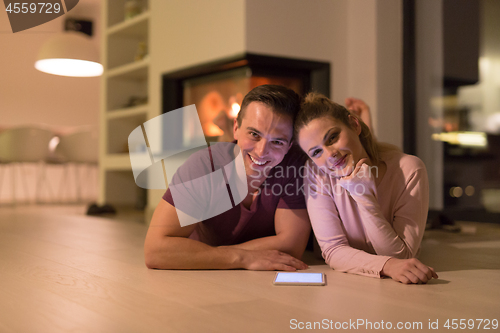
pixel 333 146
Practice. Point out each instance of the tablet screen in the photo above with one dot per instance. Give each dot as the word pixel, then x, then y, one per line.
pixel 299 278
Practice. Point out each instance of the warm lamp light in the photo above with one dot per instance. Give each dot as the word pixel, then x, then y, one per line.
pixel 467 139
pixel 69 54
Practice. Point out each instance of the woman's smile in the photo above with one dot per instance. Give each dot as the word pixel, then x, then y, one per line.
pixel 332 145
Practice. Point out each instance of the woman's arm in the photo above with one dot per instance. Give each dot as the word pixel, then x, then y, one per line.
pixel 331 235
pixel 335 247
pixel 401 238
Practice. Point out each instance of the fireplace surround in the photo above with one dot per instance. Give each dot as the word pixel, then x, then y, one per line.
pixel 218 87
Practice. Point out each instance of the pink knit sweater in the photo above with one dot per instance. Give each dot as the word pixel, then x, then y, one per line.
pixel 359 226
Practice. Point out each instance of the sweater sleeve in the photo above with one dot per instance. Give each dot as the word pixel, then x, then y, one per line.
pixel 330 233
pixel 400 239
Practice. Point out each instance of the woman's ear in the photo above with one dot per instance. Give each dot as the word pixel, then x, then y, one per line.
pixel 355 124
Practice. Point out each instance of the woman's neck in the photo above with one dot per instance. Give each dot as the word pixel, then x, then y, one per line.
pixel 378 171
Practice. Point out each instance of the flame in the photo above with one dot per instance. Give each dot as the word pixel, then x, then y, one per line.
pixel 235 108
pixel 210 129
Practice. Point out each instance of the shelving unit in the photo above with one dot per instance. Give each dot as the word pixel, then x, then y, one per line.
pixel 135 27
pixel 125 83
pixel 136 71
pixel 127 112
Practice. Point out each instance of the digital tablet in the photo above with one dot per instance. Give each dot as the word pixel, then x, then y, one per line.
pixel 299 279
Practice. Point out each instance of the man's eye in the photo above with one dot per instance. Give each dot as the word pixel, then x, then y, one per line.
pixel 255 135
pixel 279 143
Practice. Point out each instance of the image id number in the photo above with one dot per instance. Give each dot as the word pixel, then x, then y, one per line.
pixel 470 324
pixel 33 7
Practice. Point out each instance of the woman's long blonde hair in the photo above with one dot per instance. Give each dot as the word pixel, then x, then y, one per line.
pixel 316 105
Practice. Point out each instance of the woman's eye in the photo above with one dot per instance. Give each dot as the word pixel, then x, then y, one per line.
pixel 331 138
pixel 316 152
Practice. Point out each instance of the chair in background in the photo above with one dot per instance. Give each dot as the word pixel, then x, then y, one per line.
pixel 22 145
pixel 81 149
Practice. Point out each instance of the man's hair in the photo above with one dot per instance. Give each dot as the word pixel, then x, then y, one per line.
pixel 316 106
pixel 280 99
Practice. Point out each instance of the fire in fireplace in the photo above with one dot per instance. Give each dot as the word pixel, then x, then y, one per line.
pixel 217 88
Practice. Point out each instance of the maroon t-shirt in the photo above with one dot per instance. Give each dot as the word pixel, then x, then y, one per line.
pixel 282 189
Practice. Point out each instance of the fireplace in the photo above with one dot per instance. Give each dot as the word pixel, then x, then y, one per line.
pixel 217 88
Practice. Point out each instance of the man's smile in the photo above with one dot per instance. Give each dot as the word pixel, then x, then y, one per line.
pixel 258 161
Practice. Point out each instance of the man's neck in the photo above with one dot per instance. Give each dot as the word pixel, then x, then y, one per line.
pixel 254 183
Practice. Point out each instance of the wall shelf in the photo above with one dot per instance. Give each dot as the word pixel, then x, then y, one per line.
pixel 127 112
pixel 134 71
pixel 115 13
pixel 136 27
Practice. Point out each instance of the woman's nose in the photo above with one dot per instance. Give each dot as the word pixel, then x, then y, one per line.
pixel 332 156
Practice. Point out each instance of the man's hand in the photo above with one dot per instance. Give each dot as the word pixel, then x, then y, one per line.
pixel 271 260
pixel 408 271
pixel 361 109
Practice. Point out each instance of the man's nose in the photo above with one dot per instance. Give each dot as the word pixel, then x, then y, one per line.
pixel 261 148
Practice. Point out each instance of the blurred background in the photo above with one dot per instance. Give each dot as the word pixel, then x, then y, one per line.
pixel 429 69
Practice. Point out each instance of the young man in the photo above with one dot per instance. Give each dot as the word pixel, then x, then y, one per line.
pixel 270 228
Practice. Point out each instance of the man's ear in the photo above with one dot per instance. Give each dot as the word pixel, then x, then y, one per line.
pixel 355 124
pixel 235 129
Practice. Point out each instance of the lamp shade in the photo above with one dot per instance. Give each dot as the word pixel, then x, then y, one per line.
pixel 69 54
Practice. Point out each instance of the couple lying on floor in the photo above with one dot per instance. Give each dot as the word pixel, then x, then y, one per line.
pixel 307 162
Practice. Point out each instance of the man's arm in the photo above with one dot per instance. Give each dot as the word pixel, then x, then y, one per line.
pixel 167 247
pixel 292 228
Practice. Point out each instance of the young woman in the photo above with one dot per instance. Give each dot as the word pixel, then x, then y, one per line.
pixel 367 202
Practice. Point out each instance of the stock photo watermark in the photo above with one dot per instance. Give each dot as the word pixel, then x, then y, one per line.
pixel 365 324
pixel 208 179
pixel 25 15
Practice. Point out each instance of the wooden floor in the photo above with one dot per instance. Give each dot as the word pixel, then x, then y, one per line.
pixel 61 271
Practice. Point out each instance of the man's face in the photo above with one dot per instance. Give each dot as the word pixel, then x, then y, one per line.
pixel 264 138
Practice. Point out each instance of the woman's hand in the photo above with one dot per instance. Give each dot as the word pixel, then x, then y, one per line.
pixel 360 182
pixel 357 173
pixel 408 271
pixel 361 109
